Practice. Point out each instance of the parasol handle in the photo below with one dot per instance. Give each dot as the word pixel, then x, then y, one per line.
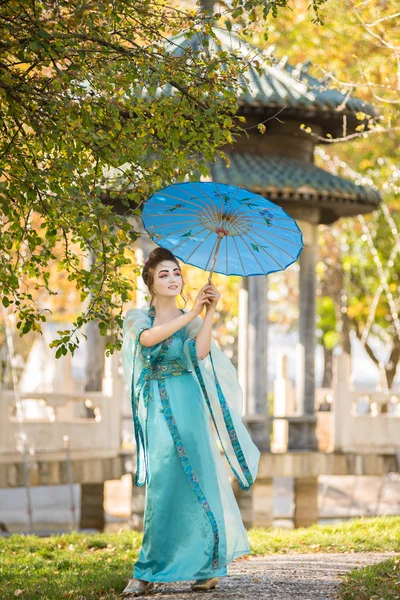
pixel 221 234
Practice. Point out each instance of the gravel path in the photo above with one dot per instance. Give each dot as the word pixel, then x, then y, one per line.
pixel 277 577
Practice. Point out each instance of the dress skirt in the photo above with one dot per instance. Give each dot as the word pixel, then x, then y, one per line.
pixel 180 531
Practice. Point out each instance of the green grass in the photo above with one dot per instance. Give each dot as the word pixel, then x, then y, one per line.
pixel 380 534
pixel 376 582
pixel 82 566
pixel 74 566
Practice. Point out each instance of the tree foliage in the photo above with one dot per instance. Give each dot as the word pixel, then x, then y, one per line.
pixel 87 137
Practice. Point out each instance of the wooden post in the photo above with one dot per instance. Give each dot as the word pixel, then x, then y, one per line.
pixel 92 506
pixel 263 502
pixel 244 499
pixel 305 501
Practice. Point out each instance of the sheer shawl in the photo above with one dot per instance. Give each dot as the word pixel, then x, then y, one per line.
pixel 218 382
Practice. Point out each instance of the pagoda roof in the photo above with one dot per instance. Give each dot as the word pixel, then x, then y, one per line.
pixel 286 180
pixel 273 87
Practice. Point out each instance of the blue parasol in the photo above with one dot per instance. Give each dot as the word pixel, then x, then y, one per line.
pixel 222 228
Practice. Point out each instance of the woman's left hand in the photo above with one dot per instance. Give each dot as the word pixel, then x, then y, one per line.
pixel 213 295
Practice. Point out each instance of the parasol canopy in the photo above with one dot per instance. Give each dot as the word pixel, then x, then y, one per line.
pixel 222 228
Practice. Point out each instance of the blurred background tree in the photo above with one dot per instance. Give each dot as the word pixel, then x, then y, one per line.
pixel 356 51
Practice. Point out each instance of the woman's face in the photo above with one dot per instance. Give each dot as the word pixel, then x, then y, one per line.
pixel 167 279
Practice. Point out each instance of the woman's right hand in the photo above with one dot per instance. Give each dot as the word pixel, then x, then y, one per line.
pixel 202 299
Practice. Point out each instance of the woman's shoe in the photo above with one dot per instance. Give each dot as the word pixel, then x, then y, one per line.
pixel 205 584
pixel 137 587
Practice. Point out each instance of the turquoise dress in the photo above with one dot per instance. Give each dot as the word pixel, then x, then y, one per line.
pixel 192 523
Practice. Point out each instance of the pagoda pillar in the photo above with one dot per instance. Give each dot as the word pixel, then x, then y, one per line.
pixel 302 426
pixel 253 344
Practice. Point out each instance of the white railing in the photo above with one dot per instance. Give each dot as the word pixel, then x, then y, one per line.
pixel 91 420
pixel 348 419
pixel 45 433
pixel 363 421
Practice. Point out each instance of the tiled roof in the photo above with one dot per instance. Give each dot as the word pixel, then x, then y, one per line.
pixel 278 85
pixel 285 179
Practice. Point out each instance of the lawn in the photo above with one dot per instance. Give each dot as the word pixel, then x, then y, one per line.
pixel 376 582
pixel 83 566
pixel 380 534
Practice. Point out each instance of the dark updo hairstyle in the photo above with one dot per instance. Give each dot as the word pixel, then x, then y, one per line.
pixel 156 256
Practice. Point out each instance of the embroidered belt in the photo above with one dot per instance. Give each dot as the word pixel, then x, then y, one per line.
pixel 168 368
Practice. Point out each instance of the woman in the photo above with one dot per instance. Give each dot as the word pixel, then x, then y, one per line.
pixel 181 386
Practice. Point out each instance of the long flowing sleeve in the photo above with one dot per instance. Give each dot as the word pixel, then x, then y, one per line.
pixel 135 320
pixel 136 360
pixel 217 378
pixel 133 352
